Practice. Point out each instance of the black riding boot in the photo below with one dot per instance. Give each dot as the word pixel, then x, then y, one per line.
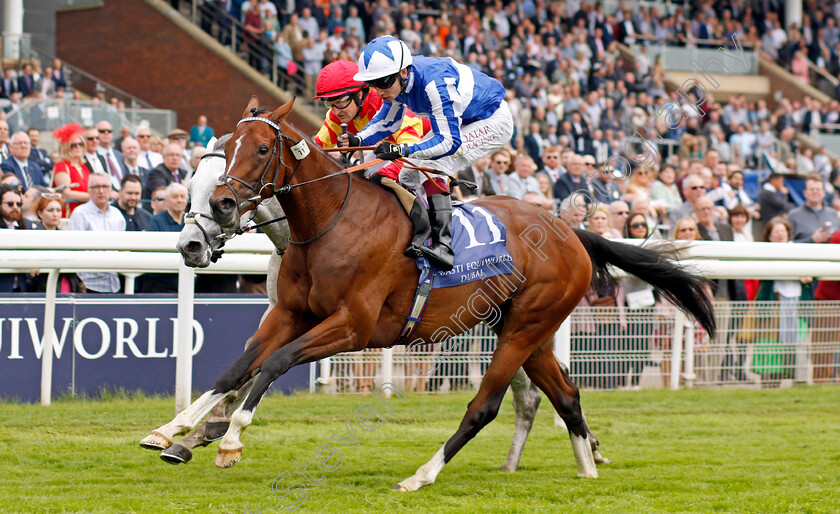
pixel 420 219
pixel 440 214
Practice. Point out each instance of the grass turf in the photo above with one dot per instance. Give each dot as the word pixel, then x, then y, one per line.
pixel 685 451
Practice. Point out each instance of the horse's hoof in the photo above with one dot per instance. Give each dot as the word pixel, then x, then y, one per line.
pixel 156 441
pixel 593 474
pixel 401 488
pixel 176 454
pixel 227 458
pixel 215 430
pixel 600 459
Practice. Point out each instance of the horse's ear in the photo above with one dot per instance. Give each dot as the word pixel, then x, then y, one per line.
pixel 252 104
pixel 282 111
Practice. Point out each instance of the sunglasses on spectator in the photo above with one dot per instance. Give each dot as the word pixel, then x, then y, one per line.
pixel 101 186
pixel 338 103
pixel 12 204
pixel 92 138
pixel 694 188
pixel 105 131
pixel 76 145
pixel 383 83
pixel 51 196
pixel 638 225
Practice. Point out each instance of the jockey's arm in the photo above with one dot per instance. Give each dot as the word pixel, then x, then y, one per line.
pixel 384 123
pixel 446 126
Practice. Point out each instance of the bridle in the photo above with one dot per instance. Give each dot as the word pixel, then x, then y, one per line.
pixel 192 218
pixel 300 150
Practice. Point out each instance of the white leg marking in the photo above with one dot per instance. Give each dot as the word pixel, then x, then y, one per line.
pixel 240 420
pixel 188 418
pixel 583 456
pixel 425 475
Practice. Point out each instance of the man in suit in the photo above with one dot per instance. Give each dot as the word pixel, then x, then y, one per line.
pixel 114 160
pixel 94 161
pixel 8 85
pixel 27 170
pixel 26 82
pixel 168 172
pixel 772 200
pixel 131 154
pixel 39 155
pixel 5 151
pixel 571 181
pixel 478 176
pixel 534 144
pixel 11 217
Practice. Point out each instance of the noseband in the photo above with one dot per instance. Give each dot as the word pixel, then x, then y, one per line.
pixel 192 218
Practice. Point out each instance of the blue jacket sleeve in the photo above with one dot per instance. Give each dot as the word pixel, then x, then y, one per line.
pixel 446 124
pixel 385 122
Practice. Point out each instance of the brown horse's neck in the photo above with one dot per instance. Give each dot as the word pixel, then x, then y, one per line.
pixel 311 208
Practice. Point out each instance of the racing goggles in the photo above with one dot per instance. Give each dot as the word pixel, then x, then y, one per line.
pixel 339 103
pixel 384 82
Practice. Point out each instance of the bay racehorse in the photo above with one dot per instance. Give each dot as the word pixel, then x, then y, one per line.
pixel 201 242
pixel 347 286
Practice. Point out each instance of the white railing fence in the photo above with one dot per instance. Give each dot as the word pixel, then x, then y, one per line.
pixel 601 354
pixel 759 344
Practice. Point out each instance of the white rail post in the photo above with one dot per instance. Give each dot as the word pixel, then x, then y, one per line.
pixel 676 348
pixel 47 339
pixel 184 343
pixel 563 353
pixel 387 369
pixel 689 355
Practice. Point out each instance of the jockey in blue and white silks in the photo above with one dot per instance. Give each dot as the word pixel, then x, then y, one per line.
pixel 467 110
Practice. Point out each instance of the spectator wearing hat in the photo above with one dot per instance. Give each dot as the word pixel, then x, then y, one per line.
pixel 179 137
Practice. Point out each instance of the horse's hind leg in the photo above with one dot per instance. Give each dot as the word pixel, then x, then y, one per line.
pixel 526 401
pixel 480 411
pixel 547 373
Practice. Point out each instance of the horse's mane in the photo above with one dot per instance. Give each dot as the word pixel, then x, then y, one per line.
pixel 220 143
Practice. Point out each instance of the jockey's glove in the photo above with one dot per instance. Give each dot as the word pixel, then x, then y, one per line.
pixel 353 140
pixel 391 151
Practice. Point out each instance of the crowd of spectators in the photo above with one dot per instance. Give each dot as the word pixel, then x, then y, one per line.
pixel 576 99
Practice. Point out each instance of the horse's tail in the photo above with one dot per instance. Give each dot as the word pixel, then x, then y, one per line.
pixel 654 266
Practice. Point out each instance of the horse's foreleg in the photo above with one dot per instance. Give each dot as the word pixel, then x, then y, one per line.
pixel 526 401
pixel 231 380
pixel 546 372
pixel 211 430
pixel 481 411
pixel 334 335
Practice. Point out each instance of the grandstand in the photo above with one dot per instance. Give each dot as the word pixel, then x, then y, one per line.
pixel 736 107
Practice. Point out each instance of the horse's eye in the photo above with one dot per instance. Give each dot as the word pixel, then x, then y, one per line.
pixel 263 149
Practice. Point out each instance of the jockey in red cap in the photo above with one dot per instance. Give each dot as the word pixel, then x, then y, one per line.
pixel 352 102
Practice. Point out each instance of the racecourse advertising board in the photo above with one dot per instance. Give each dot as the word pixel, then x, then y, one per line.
pixel 124 341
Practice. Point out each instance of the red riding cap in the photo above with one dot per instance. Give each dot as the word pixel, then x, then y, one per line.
pixel 336 79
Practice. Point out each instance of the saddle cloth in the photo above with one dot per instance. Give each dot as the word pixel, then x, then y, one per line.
pixel 479 241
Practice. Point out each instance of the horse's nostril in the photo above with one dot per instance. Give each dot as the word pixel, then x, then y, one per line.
pixel 227 205
pixel 193 247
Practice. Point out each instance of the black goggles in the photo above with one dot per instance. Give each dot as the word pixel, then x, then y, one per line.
pixel 384 82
